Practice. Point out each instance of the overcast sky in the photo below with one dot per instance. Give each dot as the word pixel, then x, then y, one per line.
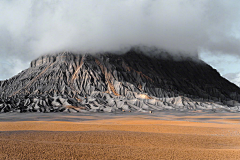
pixel 209 28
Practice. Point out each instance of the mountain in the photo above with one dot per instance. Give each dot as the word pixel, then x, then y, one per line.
pixel 133 81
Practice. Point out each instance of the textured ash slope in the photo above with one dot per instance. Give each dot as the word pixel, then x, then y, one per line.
pixel 110 82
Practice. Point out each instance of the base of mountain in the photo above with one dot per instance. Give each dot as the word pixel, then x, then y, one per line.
pixel 163 135
pixel 104 102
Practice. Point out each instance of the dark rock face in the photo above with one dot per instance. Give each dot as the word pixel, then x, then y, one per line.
pixel 109 82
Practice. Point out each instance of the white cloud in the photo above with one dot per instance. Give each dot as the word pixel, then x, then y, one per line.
pixel 30 28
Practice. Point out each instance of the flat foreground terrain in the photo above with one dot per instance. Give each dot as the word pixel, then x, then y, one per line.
pixel 120 136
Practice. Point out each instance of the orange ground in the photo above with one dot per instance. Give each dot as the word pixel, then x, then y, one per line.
pixel 130 137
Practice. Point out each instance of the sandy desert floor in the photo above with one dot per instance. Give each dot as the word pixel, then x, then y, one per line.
pixel 163 135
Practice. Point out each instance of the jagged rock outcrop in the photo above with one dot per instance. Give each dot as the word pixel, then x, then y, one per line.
pixel 110 82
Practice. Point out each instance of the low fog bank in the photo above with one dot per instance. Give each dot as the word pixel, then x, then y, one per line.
pixel 31 28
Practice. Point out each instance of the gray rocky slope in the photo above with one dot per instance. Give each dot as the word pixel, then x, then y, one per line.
pixel 110 82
